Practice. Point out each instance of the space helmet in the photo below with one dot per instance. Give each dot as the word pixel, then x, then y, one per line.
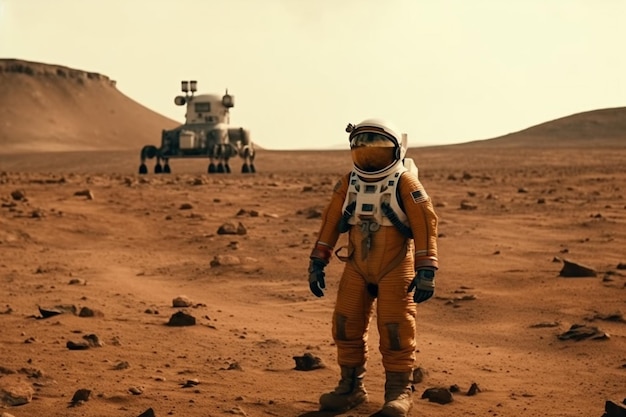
pixel 377 147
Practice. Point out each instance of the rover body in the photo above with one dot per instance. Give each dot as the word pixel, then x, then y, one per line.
pixel 206 133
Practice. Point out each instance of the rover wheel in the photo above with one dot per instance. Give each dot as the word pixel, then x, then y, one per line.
pixel 245 169
pixel 158 169
pixel 252 168
pixel 227 168
pixel 220 168
pixel 211 169
pixel 166 169
pixel 143 169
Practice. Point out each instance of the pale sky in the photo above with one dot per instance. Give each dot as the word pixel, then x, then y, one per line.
pixel 443 71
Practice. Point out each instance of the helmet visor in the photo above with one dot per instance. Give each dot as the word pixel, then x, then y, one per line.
pixel 371 139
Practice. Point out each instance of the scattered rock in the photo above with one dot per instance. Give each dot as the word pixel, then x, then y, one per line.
pixel 231 229
pixel 237 411
pixel 85 193
pixel 190 383
pixel 185 206
pixel 613 409
pixel 88 312
pixel 15 393
pixel 227 229
pixel 181 301
pixel 621 265
pixel 135 390
pixel 615 317
pixel 49 312
pixel 466 205
pixel 121 365
pixel 181 318
pixel 438 395
pixel 77 345
pixel 18 195
pixel 148 413
pixel 473 389
pixel 93 340
pixel 234 366
pixel 77 281
pixel 80 396
pixel 572 269
pixel 308 362
pixel 225 260
pixel 580 332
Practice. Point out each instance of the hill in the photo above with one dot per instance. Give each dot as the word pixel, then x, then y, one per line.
pixel 604 127
pixel 47 108
pixel 52 108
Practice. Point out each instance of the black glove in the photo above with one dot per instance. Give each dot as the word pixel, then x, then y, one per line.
pixel 316 277
pixel 423 284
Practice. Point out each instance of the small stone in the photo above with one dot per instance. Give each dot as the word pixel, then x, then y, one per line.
pixel 85 193
pixel 121 365
pixel 49 312
pixel 572 269
pixel 81 396
pixel 77 345
pixel 18 195
pixel 148 413
pixel 93 340
pixel 181 301
pixel 473 389
pixel 181 318
pixel 88 312
pixel 308 362
pixel 16 394
pixel 438 395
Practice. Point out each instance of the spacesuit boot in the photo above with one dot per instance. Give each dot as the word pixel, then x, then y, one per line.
pixel 348 394
pixel 398 392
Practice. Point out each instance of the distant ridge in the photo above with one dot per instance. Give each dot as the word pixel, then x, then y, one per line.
pixel 604 127
pixel 47 108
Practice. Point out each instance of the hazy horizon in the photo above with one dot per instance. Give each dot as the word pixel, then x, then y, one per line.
pixel 445 72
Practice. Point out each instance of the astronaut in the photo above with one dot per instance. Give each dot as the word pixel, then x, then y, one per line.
pixel 391 257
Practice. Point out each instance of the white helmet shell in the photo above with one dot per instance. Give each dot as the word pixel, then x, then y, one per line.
pixel 388 130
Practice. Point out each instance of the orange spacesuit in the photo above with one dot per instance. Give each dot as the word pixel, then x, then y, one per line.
pixel 392 250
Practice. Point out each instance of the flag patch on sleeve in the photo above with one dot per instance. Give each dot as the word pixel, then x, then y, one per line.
pixel 419 196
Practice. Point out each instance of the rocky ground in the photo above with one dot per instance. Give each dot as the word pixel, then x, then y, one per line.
pixel 186 294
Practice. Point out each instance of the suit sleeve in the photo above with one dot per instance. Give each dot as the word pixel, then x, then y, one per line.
pixel 329 230
pixel 422 219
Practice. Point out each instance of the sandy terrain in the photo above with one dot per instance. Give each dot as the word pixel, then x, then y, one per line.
pixel 142 241
pixel 83 235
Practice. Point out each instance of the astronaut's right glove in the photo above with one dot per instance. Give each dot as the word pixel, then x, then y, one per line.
pixel 423 284
pixel 316 276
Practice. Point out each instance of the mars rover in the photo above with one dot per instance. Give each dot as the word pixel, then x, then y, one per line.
pixel 205 134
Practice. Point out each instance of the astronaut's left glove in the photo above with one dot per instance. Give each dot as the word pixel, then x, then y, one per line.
pixel 317 283
pixel 423 284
